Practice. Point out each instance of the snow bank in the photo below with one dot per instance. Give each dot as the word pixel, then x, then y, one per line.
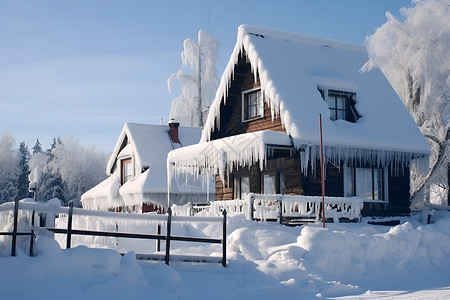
pixel 265 261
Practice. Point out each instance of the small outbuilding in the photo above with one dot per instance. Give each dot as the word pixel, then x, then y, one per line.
pixel 137 167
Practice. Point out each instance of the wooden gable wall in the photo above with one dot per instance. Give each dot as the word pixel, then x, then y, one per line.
pixel 231 113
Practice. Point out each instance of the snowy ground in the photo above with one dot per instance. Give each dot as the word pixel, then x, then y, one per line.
pixel 265 261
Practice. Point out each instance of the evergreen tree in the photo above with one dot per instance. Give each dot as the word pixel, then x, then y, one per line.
pixel 22 183
pixel 37 147
pixel 50 184
pixel 8 168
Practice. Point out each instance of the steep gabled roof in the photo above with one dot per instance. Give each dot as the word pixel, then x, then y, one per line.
pixel 292 66
pixel 149 147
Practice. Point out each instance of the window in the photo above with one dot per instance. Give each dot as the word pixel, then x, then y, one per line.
pixel 341 105
pixel 252 104
pixel 241 186
pixel 127 170
pixel 273 183
pixel 367 183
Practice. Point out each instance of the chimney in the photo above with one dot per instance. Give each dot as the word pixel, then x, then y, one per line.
pixel 173 130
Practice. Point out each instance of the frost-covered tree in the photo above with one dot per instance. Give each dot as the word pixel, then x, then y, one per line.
pixel 8 168
pixel 415 57
pixel 79 168
pixel 49 182
pixel 198 87
pixel 37 147
pixel 22 183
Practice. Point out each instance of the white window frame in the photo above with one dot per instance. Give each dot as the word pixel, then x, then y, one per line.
pixel 385 185
pixel 260 106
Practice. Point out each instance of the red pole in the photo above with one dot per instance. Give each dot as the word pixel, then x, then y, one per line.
pixel 321 172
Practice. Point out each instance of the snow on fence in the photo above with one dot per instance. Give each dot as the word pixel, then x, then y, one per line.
pixel 289 207
pixel 74 222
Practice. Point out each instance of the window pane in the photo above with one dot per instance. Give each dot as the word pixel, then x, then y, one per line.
pixel 259 103
pixel 245 186
pixel 340 114
pixel 269 184
pixel 340 102
pixel 331 102
pixel 127 170
pixel 364 183
pixel 253 104
pixel 378 184
pixel 237 187
pixel 350 181
pixel 281 191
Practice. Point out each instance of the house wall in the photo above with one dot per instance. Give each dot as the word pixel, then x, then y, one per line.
pixel 296 183
pixel 334 181
pixel 231 113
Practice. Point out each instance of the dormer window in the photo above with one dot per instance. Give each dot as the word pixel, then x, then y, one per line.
pixel 252 104
pixel 127 170
pixel 341 105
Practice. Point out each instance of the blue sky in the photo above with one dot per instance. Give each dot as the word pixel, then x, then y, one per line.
pixel 84 68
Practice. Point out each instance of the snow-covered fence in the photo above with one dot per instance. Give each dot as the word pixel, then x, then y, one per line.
pixel 283 208
pixel 25 211
pixel 304 207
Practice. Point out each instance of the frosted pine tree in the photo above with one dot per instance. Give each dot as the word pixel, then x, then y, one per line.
pixel 414 55
pixel 37 147
pixel 198 87
pixel 8 168
pixel 22 183
pixel 49 183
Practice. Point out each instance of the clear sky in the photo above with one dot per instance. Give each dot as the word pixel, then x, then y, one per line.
pixel 86 67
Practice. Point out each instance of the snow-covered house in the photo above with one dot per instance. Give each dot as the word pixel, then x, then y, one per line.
pixel 262 132
pixel 137 167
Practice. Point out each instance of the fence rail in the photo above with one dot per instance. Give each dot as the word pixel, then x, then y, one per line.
pixel 167 219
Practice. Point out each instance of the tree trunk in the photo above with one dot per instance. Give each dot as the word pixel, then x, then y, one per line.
pixel 440 161
pixel 199 104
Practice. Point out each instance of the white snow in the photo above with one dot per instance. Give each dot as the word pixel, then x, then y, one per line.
pixel 222 155
pixel 292 66
pixel 265 261
pixel 147 146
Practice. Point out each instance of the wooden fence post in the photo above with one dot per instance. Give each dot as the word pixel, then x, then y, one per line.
pixel 32 234
pixel 250 199
pixel 169 221
pixel 14 233
pixel 69 225
pixel 224 239
pixel 280 211
pixel 158 241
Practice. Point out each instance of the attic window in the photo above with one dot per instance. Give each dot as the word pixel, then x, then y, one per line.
pixel 341 105
pixel 127 170
pixel 252 104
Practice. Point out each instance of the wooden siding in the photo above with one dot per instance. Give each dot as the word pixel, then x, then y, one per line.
pixel 224 191
pixel 334 181
pixel 231 113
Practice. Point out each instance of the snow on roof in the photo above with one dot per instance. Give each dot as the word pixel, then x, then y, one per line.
pixel 292 67
pixel 148 145
pixel 219 156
